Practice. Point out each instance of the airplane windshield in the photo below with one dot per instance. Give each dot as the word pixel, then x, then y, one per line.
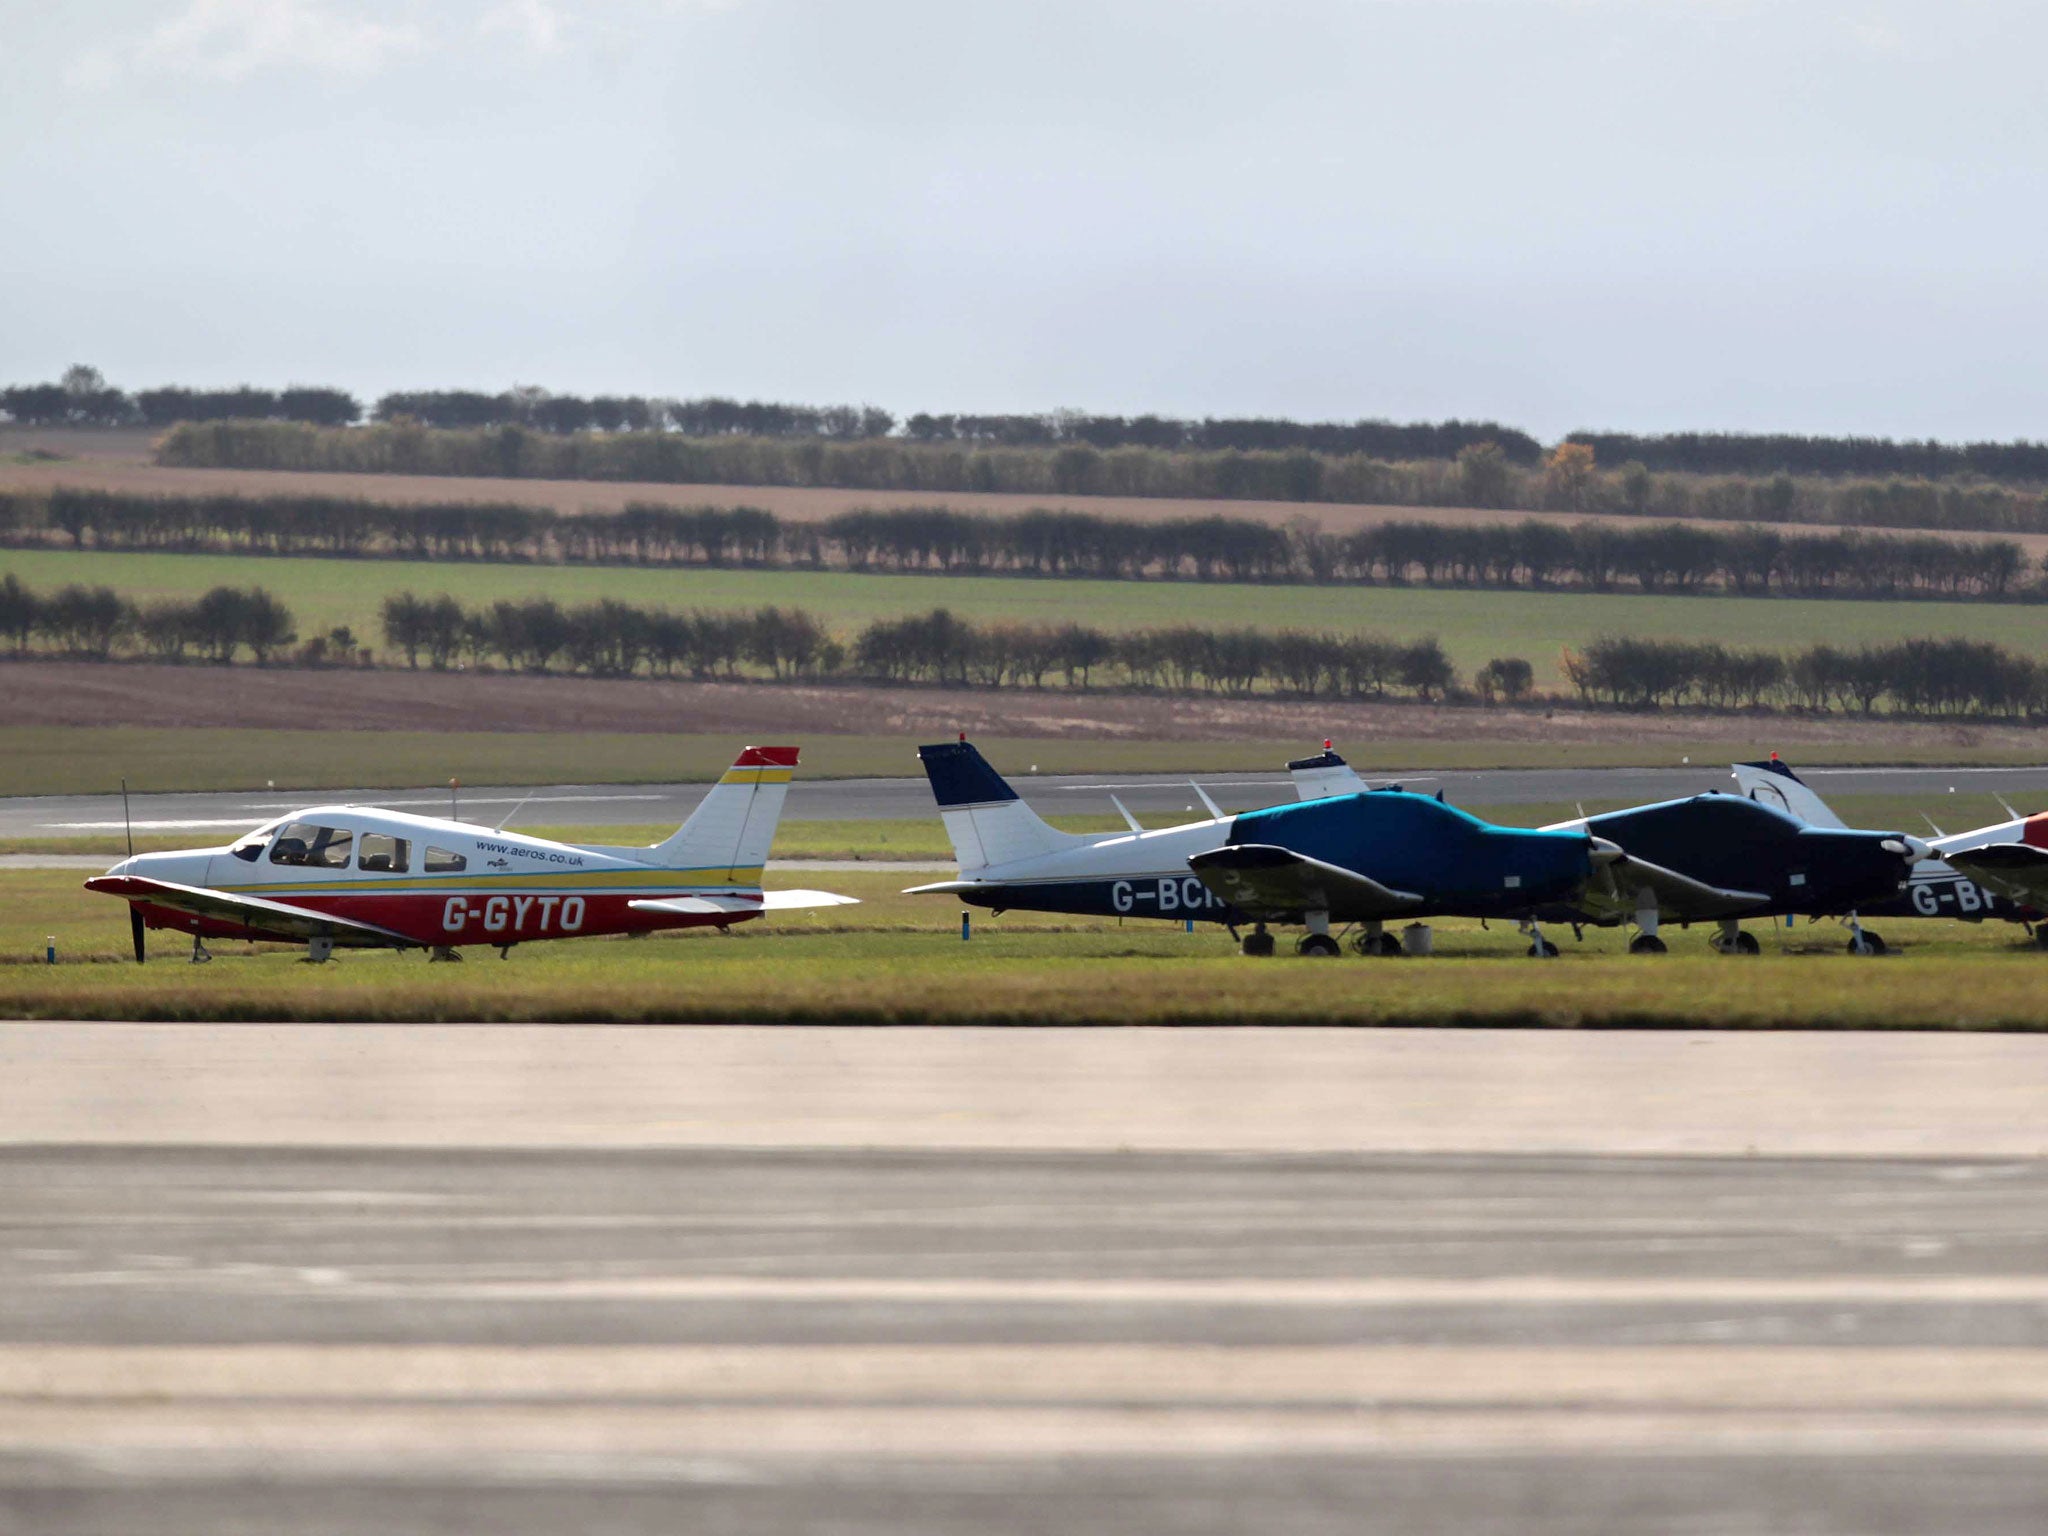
pixel 250 848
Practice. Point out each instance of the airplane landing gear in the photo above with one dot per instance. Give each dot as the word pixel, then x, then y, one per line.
pixel 1316 945
pixel 200 955
pixel 1646 941
pixel 1861 940
pixel 1258 943
pixel 1731 940
pixel 442 952
pixel 319 951
pixel 1540 948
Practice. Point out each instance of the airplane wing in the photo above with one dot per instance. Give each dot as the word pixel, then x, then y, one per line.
pixel 1269 884
pixel 767 901
pixel 2018 870
pixel 251 911
pixel 1612 892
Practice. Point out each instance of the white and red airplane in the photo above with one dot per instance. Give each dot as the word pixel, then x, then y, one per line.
pixel 354 876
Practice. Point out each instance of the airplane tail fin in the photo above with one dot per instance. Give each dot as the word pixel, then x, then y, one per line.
pixel 1323 775
pixel 726 838
pixel 986 821
pixel 1773 783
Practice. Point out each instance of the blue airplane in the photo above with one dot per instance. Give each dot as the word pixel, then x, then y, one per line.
pixel 1710 858
pixel 1361 859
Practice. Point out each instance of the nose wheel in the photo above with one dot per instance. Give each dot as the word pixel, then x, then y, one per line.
pixel 1647 944
pixel 1316 946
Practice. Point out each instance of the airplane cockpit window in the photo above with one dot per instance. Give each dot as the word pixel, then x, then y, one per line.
pixel 441 862
pixel 315 847
pixel 382 854
pixel 250 848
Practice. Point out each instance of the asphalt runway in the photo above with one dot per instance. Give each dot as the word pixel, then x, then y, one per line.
pixel 364 1279
pixel 1148 795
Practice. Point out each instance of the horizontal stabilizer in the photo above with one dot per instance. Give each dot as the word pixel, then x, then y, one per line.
pixel 1275 885
pixel 251 911
pixel 767 901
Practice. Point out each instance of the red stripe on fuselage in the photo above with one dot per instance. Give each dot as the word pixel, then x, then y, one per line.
pixel 428 919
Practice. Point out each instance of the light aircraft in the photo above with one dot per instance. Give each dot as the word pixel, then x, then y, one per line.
pixel 1710 858
pixel 1357 858
pixel 354 876
pixel 1998 871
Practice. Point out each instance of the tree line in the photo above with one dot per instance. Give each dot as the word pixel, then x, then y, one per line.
pixel 83 398
pixel 1770 453
pixel 615 639
pixel 1531 555
pixel 1569 479
pixel 1924 676
pixel 93 623
pixel 1940 677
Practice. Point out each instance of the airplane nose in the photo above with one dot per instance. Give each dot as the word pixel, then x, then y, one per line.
pixel 1906 847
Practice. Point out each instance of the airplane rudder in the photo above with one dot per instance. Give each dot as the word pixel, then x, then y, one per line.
pixel 961 776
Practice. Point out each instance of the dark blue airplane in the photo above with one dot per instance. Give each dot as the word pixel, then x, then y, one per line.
pixel 1358 858
pixel 1723 858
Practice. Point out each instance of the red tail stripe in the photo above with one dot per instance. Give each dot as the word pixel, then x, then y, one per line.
pixel 767 757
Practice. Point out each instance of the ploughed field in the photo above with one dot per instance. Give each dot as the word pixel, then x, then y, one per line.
pixel 1474 625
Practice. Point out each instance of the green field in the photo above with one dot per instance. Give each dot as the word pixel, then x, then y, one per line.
pixel 1473 625
pixel 899 960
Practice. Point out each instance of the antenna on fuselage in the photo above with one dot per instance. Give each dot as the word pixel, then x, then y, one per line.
pixel 1930 822
pixel 2007 804
pixel 1203 795
pixel 513 812
pixel 127 826
pixel 1124 811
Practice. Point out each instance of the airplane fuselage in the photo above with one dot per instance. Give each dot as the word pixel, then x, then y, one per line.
pixel 432 882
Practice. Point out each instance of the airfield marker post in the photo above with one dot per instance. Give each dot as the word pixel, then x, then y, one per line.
pixel 50 949
pixel 966 927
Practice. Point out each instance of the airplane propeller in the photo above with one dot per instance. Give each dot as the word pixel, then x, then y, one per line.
pixel 135 928
pixel 1907 847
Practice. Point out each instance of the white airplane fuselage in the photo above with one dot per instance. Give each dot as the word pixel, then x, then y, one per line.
pixel 433 881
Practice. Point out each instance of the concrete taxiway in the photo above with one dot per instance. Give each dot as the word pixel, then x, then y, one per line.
pixel 329 1279
pixel 876 799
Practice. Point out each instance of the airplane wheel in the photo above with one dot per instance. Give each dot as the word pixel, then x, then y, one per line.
pixel 1390 946
pixel 1316 946
pixel 1869 944
pixel 1646 944
pixel 1746 944
pixel 1257 944
pixel 1543 949
pixel 2041 936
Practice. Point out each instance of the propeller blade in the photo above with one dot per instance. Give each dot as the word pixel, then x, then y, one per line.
pixel 135 928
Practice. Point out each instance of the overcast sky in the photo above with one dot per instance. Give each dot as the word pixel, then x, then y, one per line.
pixel 1558 213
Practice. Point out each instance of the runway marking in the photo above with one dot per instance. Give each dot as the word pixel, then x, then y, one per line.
pixel 1692 1378
pixel 538 1442
pixel 1543 1291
